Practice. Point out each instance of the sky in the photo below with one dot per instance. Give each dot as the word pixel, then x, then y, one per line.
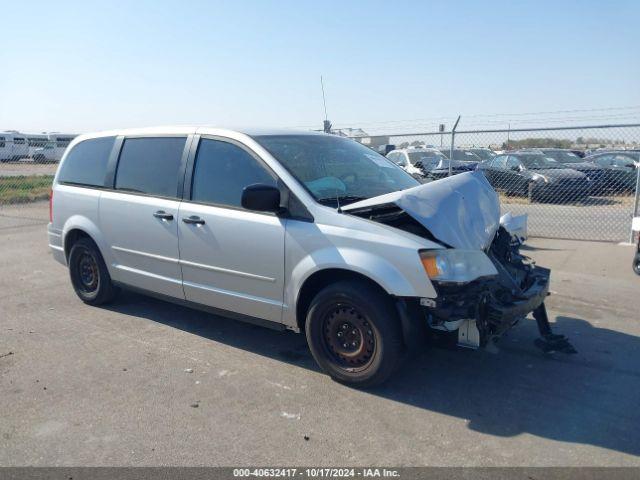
pixel 79 66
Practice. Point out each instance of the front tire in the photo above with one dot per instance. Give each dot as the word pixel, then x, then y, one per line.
pixel 354 334
pixel 89 275
pixel 636 263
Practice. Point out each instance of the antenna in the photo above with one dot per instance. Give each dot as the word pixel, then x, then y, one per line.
pixel 326 123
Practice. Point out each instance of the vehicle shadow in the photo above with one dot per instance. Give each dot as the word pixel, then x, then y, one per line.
pixel 589 398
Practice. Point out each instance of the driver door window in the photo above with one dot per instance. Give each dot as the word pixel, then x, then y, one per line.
pixel 222 170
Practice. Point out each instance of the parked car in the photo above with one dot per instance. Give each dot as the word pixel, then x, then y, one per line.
pixel 416 161
pixel 309 232
pixel 483 153
pixel 535 176
pixel 620 170
pixel 461 155
pixel 463 161
pixel 570 160
pixel 448 167
pixel 44 154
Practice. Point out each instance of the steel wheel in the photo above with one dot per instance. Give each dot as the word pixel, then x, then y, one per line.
pixel 88 273
pixel 348 339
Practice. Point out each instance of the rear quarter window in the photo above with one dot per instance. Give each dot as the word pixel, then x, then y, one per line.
pixel 86 163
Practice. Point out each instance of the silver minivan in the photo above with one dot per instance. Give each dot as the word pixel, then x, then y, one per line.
pixel 302 231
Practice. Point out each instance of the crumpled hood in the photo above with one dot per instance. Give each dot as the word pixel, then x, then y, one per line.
pixel 461 211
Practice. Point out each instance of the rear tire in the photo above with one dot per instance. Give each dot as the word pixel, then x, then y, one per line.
pixel 354 334
pixel 89 275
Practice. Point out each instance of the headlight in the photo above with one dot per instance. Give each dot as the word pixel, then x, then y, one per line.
pixel 540 178
pixel 456 266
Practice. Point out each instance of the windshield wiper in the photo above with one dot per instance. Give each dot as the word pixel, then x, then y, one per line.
pixel 340 199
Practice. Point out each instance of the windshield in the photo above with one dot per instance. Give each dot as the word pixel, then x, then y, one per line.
pixel 538 161
pixel 429 159
pixel 461 155
pixel 482 153
pixel 330 167
pixel 564 157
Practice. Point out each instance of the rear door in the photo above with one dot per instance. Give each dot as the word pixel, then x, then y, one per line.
pixel 232 259
pixel 139 215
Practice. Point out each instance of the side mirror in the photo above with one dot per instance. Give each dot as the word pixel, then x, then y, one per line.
pixel 516 168
pixel 261 198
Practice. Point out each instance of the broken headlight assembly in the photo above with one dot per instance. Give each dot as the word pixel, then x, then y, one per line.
pixel 456 266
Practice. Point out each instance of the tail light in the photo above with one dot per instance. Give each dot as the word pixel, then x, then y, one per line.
pixel 51 206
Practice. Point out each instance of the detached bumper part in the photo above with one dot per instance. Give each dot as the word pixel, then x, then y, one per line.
pixel 550 342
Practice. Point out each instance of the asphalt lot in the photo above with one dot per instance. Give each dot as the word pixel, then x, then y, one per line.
pixel 108 386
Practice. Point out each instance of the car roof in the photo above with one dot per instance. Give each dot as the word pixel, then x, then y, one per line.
pixel 415 149
pixel 201 129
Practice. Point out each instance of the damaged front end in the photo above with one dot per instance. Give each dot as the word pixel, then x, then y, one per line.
pixel 484 284
pixel 487 307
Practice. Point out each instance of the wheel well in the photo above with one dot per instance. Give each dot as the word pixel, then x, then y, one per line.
pixel 72 237
pixel 321 279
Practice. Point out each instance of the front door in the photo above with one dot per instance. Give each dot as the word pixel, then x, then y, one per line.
pixel 139 216
pixel 231 258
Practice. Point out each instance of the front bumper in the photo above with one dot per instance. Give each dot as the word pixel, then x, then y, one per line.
pixel 504 308
pixel 494 307
pixel 489 306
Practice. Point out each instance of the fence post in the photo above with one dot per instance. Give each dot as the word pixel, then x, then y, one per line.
pixel 453 136
pixel 636 201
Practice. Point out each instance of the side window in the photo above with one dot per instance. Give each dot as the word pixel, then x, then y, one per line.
pixel 512 162
pixel 605 161
pixel 221 172
pixel 86 163
pixel 499 162
pixel 150 165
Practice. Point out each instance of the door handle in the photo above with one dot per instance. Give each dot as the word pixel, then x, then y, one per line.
pixel 163 215
pixel 193 220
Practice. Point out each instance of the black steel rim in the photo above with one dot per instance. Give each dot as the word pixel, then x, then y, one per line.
pixel 348 337
pixel 87 272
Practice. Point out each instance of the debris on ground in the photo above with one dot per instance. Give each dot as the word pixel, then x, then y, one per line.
pixel 290 416
pixel 188 370
pixel 195 405
pixel 6 354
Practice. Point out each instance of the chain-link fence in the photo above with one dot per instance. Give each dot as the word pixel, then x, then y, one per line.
pixel 572 182
pixel 27 165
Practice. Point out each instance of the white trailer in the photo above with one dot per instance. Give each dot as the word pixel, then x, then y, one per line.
pixel 59 143
pixel 13 146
